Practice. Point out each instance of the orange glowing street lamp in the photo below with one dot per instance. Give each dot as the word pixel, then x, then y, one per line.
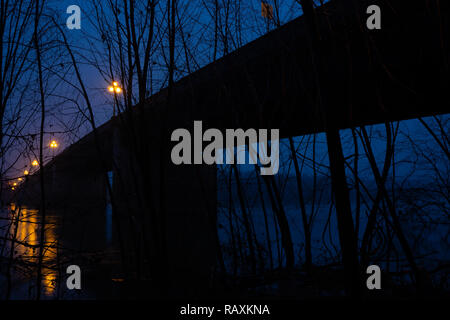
pixel 26 172
pixel 116 89
pixel 35 163
pixel 53 144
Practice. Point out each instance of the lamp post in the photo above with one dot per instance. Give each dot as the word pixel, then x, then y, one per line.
pixel 267 13
pixel 53 145
pixel 115 89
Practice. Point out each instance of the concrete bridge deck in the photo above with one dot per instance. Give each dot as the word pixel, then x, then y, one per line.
pixel 396 73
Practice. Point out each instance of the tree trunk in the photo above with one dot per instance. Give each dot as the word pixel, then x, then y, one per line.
pixel 306 229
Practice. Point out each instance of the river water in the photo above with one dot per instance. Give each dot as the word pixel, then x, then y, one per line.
pixel 85 243
pixel 85 240
pixel 23 247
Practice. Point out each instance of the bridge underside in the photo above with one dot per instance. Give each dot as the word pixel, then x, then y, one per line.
pixel 357 77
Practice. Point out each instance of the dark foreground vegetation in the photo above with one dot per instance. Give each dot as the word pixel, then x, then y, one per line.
pixel 364 160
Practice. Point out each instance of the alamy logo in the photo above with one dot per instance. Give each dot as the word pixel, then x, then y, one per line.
pixel 235 139
pixel 374 21
pixel 74 280
pixel 74 20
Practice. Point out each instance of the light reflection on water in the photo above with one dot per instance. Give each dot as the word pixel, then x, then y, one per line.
pixel 26 247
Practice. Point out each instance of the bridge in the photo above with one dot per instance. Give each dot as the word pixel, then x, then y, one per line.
pixel 321 72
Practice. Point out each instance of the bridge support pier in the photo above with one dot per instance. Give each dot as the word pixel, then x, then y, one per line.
pixel 347 236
